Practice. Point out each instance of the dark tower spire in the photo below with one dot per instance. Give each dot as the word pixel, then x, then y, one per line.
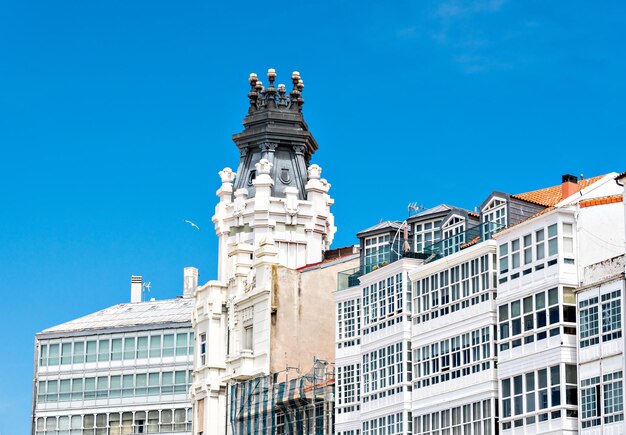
pixel 274 129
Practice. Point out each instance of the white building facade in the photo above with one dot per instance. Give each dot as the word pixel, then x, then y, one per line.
pixel 272 218
pixel 540 265
pixel 123 370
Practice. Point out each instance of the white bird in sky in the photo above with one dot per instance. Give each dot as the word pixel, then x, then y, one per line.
pixel 192 224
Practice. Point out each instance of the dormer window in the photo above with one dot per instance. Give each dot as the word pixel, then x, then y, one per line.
pixel 377 251
pixel 453 234
pixel 427 233
pixel 495 212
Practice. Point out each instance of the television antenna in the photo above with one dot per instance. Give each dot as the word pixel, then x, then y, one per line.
pixel 145 287
pixel 413 207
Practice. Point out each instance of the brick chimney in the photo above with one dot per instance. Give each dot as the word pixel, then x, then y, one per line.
pixel 135 288
pixel 569 185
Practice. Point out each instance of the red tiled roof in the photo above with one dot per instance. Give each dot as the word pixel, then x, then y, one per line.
pixel 471 213
pixel 600 201
pixel 551 196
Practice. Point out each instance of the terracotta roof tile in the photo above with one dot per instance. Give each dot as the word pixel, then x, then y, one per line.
pixel 471 213
pixel 551 196
pixel 600 201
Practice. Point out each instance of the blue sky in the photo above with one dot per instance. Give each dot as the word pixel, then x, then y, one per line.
pixel 116 116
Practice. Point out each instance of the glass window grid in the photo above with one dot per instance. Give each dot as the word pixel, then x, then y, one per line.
pixel 385 371
pixel 377 251
pixel 115 423
pixel 534 318
pixel 495 212
pixel 116 348
pixel 453 358
pixel 534 251
pixel 606 312
pixel 392 424
pixel 348 323
pixel 602 399
pixel 348 388
pixel 476 416
pixel 538 395
pixel 123 385
pixel 453 235
pixel 453 289
pixel 427 233
pixel 382 301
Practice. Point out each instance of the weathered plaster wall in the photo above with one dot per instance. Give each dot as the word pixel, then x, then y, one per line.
pixel 303 321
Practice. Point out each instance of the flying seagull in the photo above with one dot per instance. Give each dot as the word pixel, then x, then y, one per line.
pixel 192 224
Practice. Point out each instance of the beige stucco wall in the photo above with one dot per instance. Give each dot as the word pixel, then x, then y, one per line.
pixel 303 321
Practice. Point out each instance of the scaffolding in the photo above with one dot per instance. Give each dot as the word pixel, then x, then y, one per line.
pixel 276 404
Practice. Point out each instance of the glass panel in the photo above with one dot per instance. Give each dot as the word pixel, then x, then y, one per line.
pixel 66 353
pixel 79 352
pixel 103 350
pixel 91 351
pixel 142 347
pixel 129 348
pixel 168 345
pixel 116 349
pixel 155 346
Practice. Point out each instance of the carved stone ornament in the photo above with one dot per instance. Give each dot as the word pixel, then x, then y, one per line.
pixel 314 172
pixel 285 177
pixel 227 175
pixel 271 147
pixel 275 98
pixel 263 167
pixel 239 204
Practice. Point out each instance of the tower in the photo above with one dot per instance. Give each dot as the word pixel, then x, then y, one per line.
pixel 273 217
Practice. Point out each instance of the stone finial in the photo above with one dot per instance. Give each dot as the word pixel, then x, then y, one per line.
pixel 314 172
pixel 263 167
pixel 275 98
pixel 227 175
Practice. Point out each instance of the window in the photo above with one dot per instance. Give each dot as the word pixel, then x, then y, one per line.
pixel 589 322
pixel 377 251
pixel 535 393
pixel 613 397
pixel 495 212
pixel 248 338
pixel 504 258
pixel 203 349
pixel 452 358
pixel 474 417
pixel 553 242
pixel 427 233
pixel 611 316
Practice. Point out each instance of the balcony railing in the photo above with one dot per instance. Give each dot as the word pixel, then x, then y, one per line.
pixel 434 251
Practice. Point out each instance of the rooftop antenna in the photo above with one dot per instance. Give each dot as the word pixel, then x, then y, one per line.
pixel 145 287
pixel 413 207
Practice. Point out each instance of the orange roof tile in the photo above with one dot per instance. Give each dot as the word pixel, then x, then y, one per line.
pixel 474 214
pixel 600 201
pixel 551 196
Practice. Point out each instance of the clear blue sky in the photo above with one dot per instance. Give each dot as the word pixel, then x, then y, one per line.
pixel 116 116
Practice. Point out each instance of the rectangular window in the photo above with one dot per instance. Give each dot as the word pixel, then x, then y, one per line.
pixel 553 242
pixel 181 344
pixel 528 249
pixel 168 345
pixel 504 258
pixel 248 338
pixel 116 349
pixel 203 349
pixel 66 353
pixel 103 349
pixel 142 347
pixel 129 348
pixel 155 346
pixel 91 351
pixel 79 352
